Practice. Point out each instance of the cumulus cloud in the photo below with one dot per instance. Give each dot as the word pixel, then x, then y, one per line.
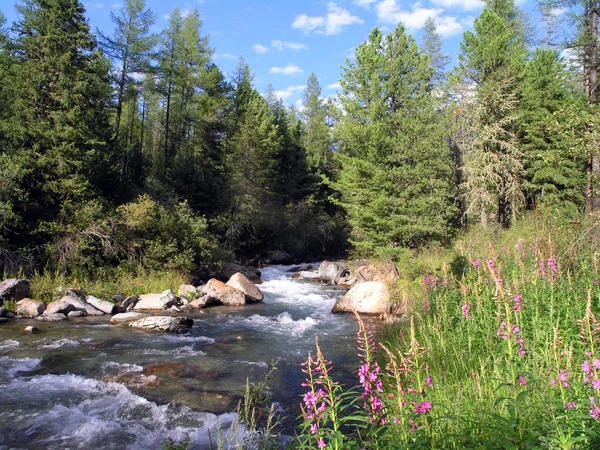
pixel 260 49
pixel 290 69
pixel 286 45
pixel 225 56
pixel 388 11
pixel 289 91
pixel 467 5
pixel 334 86
pixel 336 19
pixel 364 3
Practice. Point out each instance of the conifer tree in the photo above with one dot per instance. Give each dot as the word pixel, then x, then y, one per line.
pixel 395 177
pixel 59 126
pixel 316 138
pixel 432 46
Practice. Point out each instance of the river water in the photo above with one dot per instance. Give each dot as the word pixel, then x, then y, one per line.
pixel 88 384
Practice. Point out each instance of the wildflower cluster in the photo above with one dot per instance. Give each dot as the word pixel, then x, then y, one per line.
pixel 369 376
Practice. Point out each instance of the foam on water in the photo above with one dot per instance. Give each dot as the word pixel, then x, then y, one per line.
pixel 14 366
pixel 179 352
pixel 112 367
pixel 281 324
pixel 51 344
pixel 88 413
pixel 9 343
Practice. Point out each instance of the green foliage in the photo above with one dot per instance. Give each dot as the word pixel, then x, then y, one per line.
pixel 395 177
pixel 171 444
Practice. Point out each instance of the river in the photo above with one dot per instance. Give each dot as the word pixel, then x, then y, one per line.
pixel 89 384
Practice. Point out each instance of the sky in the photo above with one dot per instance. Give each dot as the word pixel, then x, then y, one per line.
pixel 283 41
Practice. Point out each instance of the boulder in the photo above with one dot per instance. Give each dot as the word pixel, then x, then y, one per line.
pixel 370 297
pixel 386 273
pixel 347 281
pixel 74 314
pixel 221 293
pixel 301 268
pixel 58 307
pixel 252 292
pixel 230 269
pixel 118 298
pixel 14 289
pixel 163 323
pixel 82 306
pixel 101 305
pixel 130 301
pixel 30 308
pixel 126 317
pixel 199 303
pixel 52 317
pixel 306 275
pixel 277 257
pixel 187 289
pixel 31 329
pixel 3 311
pixel 330 271
pixel 156 301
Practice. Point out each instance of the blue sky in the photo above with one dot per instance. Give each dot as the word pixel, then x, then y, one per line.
pixel 284 41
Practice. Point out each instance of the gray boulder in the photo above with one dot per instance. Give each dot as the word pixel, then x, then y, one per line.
pixel 163 323
pixel 187 289
pixel 221 293
pixel 82 306
pixel 386 273
pixel 331 272
pixel 130 301
pixel 250 290
pixel 101 305
pixel 52 317
pixel 157 301
pixel 126 317
pixel 370 297
pixel 58 307
pixel 30 308
pixel 306 275
pixel 14 289
pixel 74 314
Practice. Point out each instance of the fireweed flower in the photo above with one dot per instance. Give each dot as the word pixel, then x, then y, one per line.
pixel 422 408
pixel 522 380
pixel 570 405
pixel 466 309
pixel 552 269
pixel 562 377
pixel 426 307
pixel 518 303
pixel 426 280
pixel 477 262
pixel 321 444
pixel 595 409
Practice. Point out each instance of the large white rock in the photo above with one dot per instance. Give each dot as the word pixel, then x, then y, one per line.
pixel 30 308
pixel 82 306
pixel 14 289
pixel 163 323
pixel 58 307
pixel 371 297
pixel 52 317
pixel 386 273
pixel 187 289
pixel 220 292
pixel 126 317
pixel 330 271
pixel 102 305
pixel 156 301
pixel 252 292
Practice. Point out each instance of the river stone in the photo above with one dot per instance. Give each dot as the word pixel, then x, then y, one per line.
pixel 14 289
pixel 102 305
pixel 330 271
pixel 301 268
pixel 30 308
pixel 187 289
pixel 252 292
pixel 76 314
pixel 305 275
pixel 31 329
pixel 130 301
pixel 156 301
pixel 163 323
pixel 52 317
pixel 347 281
pixel 230 269
pixel 227 295
pixel 58 307
pixel 386 273
pixel 3 312
pixel 370 297
pixel 199 303
pixel 126 317
pixel 118 298
pixel 82 306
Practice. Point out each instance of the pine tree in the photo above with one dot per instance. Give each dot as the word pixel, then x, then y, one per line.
pixel 59 128
pixel 129 48
pixel 491 58
pixel 316 138
pixel 432 46
pixel 395 177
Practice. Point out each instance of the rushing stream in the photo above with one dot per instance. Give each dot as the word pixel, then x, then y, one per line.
pixel 88 384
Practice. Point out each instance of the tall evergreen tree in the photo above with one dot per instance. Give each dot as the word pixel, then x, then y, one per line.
pixel 316 138
pixel 59 126
pixel 395 177
pixel 491 58
pixel 432 46
pixel 129 48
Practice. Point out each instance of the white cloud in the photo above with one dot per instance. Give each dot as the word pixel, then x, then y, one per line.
pixel 558 11
pixel 290 69
pixel 260 49
pixel 94 5
pixel 388 11
pixel 225 56
pixel 467 5
pixel 334 86
pixel 289 91
pixel 364 3
pixel 286 45
pixel 116 5
pixel 336 19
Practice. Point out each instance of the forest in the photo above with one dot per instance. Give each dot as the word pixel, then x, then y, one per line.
pixel 134 150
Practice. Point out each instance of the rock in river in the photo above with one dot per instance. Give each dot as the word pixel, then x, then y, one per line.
pixel 102 305
pixel 330 271
pixel 14 289
pixel 163 323
pixel 126 317
pixel 157 301
pixel 227 295
pixel 252 292
pixel 30 308
pixel 371 297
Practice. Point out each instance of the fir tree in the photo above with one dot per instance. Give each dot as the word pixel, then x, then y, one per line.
pixel 432 46
pixel 316 138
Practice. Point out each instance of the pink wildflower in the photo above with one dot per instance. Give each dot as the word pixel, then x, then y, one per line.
pixel 477 262
pixel 522 380
pixel 426 307
pixel 421 408
pixel 314 428
pixel 466 309
pixel 396 420
pixel 587 369
pixel 596 363
pixel 570 405
pixel 321 444
pixel 426 280
pixel 518 303
pixel 429 382
pixel 596 384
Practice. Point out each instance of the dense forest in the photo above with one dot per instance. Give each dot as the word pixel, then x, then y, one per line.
pixel 134 150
